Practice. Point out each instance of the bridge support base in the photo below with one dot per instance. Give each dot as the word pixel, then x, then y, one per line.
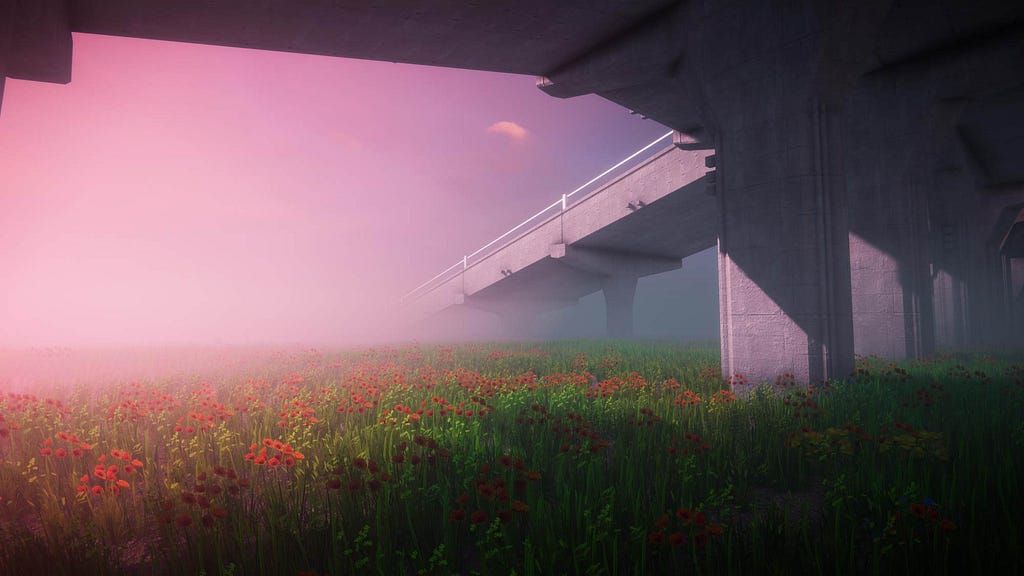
pixel 619 292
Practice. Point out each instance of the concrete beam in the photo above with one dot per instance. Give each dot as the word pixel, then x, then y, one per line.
pixel 610 263
pixel 640 55
pixel 38 45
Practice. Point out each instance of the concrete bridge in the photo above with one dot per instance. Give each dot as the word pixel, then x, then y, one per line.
pixel 641 222
pixel 869 155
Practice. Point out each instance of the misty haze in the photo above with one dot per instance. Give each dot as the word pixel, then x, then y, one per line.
pixel 511 288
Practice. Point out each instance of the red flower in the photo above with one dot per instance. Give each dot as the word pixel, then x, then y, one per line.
pixel 333 484
pixel 457 515
pixel 486 490
pixel 685 514
pixel 505 516
pixel 662 522
pixel 354 485
pixel 677 539
pixel 656 537
pixel 947 525
pixel 184 520
pixel 917 509
pixel 478 517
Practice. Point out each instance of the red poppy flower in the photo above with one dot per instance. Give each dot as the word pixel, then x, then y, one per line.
pixel 677 539
pixel 656 537
pixel 478 517
pixel 333 484
pixel 457 515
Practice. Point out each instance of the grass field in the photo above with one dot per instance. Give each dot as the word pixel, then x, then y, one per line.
pixel 516 458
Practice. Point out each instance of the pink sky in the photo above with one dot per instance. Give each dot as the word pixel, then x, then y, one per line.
pixel 185 194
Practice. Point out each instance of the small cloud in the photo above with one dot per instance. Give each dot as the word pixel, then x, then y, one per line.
pixel 510 129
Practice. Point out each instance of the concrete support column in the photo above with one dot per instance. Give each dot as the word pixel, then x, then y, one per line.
pixel 907 247
pixel 1017 302
pixel 619 292
pixel 783 255
pixel 6 35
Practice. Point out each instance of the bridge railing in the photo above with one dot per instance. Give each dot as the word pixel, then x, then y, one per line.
pixel 493 246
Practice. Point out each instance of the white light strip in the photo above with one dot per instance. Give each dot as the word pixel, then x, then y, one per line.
pixel 634 155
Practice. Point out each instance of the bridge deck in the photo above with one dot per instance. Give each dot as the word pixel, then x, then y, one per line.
pixel 678 219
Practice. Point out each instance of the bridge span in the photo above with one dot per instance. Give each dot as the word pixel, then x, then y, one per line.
pixel 642 222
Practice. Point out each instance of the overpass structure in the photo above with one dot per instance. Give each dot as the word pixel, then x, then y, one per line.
pixel 869 157
pixel 642 222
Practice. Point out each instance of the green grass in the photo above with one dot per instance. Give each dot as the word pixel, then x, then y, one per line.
pixel 580 458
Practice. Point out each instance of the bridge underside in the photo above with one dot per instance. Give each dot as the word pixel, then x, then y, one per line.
pixel 870 166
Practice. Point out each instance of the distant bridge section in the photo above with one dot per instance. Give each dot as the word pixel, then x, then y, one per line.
pixel 642 222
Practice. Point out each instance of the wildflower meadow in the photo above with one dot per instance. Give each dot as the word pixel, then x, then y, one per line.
pixel 588 457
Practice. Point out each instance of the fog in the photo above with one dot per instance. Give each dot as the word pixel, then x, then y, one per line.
pixel 176 196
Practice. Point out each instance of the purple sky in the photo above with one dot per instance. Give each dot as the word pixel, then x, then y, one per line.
pixel 185 194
